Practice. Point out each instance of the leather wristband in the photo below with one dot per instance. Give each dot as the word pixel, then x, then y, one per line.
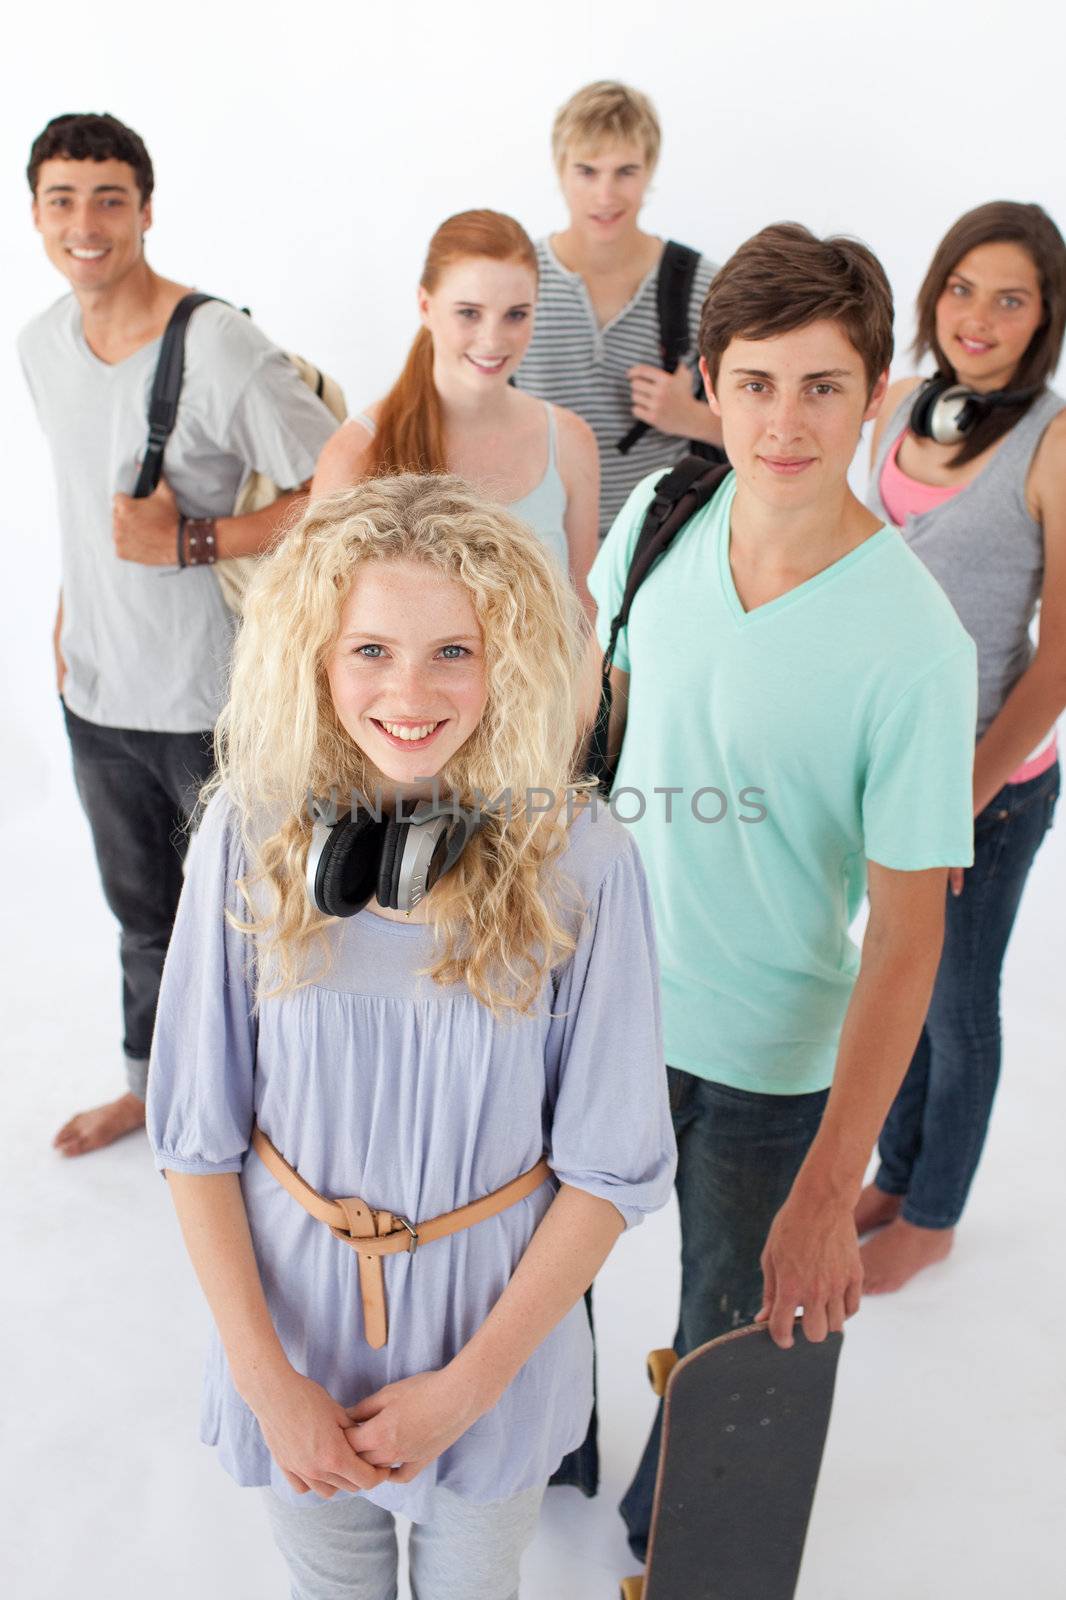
pixel 181 542
pixel 200 542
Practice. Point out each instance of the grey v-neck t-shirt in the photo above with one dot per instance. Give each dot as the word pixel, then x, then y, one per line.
pixel 148 647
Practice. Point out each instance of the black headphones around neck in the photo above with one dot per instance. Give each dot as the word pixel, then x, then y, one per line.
pixel 398 859
pixel 948 411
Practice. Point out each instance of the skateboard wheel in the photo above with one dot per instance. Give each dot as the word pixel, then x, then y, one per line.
pixel 632 1588
pixel 660 1365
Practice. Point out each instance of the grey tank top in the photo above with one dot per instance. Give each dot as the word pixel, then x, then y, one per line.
pixel 985 550
pixel 544 508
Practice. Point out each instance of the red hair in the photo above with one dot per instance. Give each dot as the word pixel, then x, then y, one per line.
pixel 410 430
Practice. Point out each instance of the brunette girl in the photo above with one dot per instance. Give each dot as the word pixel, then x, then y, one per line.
pixel 972 467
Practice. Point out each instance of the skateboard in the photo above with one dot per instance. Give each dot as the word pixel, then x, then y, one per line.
pixel 744 1426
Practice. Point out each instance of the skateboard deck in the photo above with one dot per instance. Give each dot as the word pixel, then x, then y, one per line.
pixel 744 1428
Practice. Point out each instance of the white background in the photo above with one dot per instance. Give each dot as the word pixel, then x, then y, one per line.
pixel 304 154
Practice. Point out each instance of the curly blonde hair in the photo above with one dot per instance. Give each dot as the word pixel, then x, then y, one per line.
pixel 498 917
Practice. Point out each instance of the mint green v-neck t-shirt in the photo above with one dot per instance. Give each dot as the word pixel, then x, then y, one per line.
pixel 832 726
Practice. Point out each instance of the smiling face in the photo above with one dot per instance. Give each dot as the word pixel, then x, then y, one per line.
pixel 480 317
pixel 604 190
pixel 792 408
pixel 92 220
pixel 407 673
pixel 987 313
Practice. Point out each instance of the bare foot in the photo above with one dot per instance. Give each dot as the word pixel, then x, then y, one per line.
pixel 875 1209
pixel 892 1257
pixel 91 1130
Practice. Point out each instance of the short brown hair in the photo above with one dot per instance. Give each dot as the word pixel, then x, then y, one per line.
pixel 92 136
pixel 784 278
pixel 1032 228
pixel 606 113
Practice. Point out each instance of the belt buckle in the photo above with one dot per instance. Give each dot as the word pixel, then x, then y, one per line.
pixel 413 1246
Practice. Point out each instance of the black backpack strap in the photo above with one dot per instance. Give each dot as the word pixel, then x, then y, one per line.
pixel 677 273
pixel 674 300
pixel 166 392
pixel 678 496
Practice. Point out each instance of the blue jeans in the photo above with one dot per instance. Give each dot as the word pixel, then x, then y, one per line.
pixel 138 791
pixel 935 1132
pixel 737 1158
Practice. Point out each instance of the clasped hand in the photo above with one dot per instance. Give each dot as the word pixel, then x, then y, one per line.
pixel 392 1434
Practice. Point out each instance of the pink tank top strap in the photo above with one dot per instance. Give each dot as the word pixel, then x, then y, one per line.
pixel 1044 756
pixel 903 496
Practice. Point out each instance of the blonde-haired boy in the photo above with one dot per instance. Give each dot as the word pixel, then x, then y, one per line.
pixel 606 113
pixel 598 343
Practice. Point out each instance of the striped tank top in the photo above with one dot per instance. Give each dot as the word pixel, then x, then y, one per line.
pixel 575 363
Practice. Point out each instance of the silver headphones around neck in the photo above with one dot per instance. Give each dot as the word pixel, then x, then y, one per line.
pixel 947 411
pixel 360 854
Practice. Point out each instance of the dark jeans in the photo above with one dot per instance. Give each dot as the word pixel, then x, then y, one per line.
pixel 580 1469
pixel 738 1155
pixel 138 791
pixel 935 1132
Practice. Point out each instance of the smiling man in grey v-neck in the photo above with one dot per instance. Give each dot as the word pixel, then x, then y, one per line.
pixel 143 642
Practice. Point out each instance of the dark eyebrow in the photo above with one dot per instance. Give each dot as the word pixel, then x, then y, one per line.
pixel 808 377
pixel 1020 290
pixel 100 188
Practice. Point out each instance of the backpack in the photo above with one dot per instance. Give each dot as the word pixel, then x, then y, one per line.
pixel 678 496
pixel 673 291
pixel 235 572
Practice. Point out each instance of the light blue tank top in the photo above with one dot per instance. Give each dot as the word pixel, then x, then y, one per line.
pixel 544 508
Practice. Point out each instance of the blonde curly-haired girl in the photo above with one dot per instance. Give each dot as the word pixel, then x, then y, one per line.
pixel 407 639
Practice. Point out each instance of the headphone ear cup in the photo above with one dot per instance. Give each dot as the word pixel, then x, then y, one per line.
pixel 417 854
pixel 347 873
pixel 954 414
pixel 391 862
pixel 921 411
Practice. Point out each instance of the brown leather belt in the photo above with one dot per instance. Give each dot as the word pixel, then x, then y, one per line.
pixel 373 1234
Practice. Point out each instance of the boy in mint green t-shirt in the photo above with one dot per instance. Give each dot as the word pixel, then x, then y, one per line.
pixel 798 701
